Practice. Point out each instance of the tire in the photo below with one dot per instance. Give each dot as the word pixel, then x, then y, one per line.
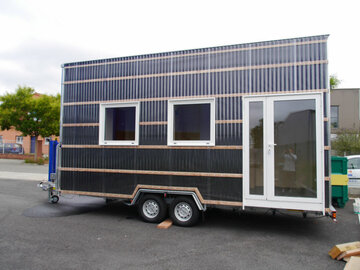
pixel 184 212
pixel 152 208
pixel 54 199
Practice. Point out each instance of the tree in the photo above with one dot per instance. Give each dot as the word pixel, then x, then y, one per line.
pixel 346 143
pixel 29 114
pixel 334 81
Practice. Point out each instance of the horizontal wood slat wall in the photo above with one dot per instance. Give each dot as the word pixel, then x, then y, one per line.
pixel 153 187
pixel 205 71
pixel 202 53
pixel 220 147
pixel 202 174
pixel 194 97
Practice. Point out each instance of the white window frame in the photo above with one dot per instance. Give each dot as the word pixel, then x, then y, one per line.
pixel 170 133
pixel 19 139
pixel 47 140
pixel 103 107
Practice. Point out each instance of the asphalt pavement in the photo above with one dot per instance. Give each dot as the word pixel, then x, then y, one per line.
pixel 87 233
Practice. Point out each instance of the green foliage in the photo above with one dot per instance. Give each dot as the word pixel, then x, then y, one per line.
pixel 39 161
pixel 347 144
pixel 31 115
pixel 334 81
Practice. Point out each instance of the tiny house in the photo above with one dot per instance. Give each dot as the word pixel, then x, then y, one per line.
pixel 240 126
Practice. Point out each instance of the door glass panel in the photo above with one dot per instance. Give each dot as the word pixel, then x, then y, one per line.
pixel 256 130
pixel 295 150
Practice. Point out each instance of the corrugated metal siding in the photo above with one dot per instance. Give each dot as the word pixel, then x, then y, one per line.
pixel 226 73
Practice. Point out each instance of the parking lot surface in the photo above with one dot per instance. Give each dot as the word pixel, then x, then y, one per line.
pixel 87 233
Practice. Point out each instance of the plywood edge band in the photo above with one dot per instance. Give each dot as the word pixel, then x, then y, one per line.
pixel 235 121
pixel 202 53
pixel 242 93
pixel 173 173
pixel 218 147
pixel 153 187
pixel 153 123
pixel 327 148
pixel 227 203
pixel 80 125
pixel 97 194
pixel 203 71
pixel 327 178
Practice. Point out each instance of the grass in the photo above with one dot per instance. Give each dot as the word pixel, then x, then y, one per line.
pixel 40 161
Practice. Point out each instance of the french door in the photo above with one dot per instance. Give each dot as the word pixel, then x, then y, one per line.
pixel 283 152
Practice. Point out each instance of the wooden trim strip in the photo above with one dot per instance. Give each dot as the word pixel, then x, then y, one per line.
pixel 201 174
pixel 327 178
pixel 131 196
pixel 81 125
pixel 193 97
pixel 327 148
pixel 153 123
pixel 227 203
pixel 217 147
pixel 202 53
pixel 148 123
pixel 238 121
pixel 97 194
pixel 204 71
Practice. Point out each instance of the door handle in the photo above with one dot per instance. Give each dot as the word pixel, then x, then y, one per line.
pixel 271 145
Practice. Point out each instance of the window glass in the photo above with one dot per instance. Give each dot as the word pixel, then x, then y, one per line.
pixel 334 116
pixel 192 122
pixel 120 124
pixel 354 163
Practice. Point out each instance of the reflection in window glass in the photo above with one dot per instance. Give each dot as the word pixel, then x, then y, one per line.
pixel 295 151
pixel 256 136
pixel 192 122
pixel 334 116
pixel 120 124
pixel 354 163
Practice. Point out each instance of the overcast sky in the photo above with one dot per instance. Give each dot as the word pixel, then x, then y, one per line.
pixel 37 36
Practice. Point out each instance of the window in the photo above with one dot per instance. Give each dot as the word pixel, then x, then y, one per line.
pixel 47 140
pixel 354 163
pixel 191 122
pixel 334 116
pixel 119 124
pixel 19 139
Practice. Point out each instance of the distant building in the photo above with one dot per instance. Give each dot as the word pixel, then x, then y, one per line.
pixel 28 142
pixel 345 113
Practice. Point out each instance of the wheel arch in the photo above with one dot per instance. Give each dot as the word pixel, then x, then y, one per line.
pixel 143 191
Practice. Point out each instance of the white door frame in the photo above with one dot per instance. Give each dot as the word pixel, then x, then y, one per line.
pixel 269 200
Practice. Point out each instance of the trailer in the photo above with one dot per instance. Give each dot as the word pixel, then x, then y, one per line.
pixel 243 126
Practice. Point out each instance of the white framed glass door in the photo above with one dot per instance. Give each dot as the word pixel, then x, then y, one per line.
pixel 283 152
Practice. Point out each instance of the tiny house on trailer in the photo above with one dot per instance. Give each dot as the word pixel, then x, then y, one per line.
pixel 240 126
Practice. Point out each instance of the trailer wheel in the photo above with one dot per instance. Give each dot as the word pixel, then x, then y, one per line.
pixel 184 212
pixel 54 199
pixel 152 208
